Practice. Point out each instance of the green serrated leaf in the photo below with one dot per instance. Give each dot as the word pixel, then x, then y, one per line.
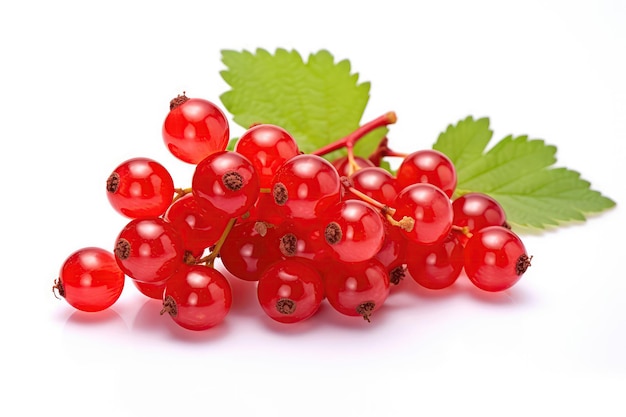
pixel 318 101
pixel 519 173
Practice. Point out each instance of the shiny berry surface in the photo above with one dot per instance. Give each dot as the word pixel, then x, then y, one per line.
pixel 140 187
pixel 475 211
pixel 90 279
pixel 290 291
pixel 355 231
pixel 375 182
pixel 436 266
pixel 225 184
pixel 197 228
pixel 495 258
pixel 149 249
pixel 248 249
pixel 305 186
pixel 428 166
pixel 267 146
pixel 431 209
pixel 357 289
pixel 195 128
pixel 197 297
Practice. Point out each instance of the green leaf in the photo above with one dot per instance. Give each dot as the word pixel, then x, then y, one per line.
pixel 519 173
pixel 318 101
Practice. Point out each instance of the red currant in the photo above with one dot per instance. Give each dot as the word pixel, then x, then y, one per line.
pixel 473 211
pixel 140 187
pixel 225 184
pixel 195 128
pixel 436 266
pixel 431 210
pixel 290 291
pixel 375 182
pixel 248 250
pixel 495 258
pixel 427 166
pixel 305 186
pixel 357 289
pixel 149 249
pixel 90 279
pixel 355 231
pixel 267 147
pixel 197 228
pixel 197 297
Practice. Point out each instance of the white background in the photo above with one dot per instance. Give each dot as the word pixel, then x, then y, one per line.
pixel 86 85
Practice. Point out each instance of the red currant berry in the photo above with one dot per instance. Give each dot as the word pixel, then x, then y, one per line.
pixel 357 289
pixel 305 186
pixel 495 258
pixel 473 211
pixel 249 248
pixel 290 291
pixel 376 183
pixel 355 231
pixel 436 266
pixel 267 147
pixel 149 249
pixel 90 280
pixel 225 184
pixel 196 227
pixel 431 210
pixel 197 297
pixel 195 128
pixel 140 187
pixel 427 166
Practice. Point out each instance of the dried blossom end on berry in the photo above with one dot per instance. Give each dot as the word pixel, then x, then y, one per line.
pixel 286 306
pixel 233 181
pixel 523 262
pixel 365 310
pixel 280 194
pixel 178 100
pixel 333 233
pixel 169 307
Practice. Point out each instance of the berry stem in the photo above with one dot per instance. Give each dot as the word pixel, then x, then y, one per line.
pixel 352 165
pixel 406 223
pixel 464 230
pixel 383 151
pixel 209 260
pixel 180 192
pixel 349 140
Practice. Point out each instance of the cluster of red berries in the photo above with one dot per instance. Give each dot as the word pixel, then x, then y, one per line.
pixel 306 229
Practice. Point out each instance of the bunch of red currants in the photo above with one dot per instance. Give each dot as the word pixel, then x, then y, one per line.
pixel 305 228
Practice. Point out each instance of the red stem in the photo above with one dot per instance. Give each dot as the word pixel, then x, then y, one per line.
pixel 352 138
